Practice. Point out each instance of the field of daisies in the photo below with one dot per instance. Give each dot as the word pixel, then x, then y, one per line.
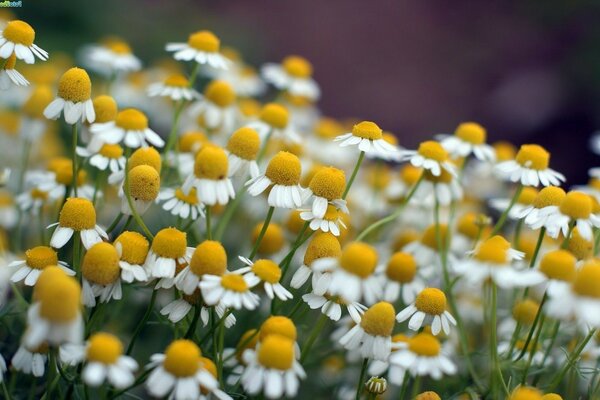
pixel 196 229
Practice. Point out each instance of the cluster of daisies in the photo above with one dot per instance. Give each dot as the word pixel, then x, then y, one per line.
pixel 167 232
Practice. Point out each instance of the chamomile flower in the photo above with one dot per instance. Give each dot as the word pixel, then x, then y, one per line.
pixel 293 75
pixel 169 247
pixel 17 37
pixel 559 266
pixel 176 87
pixel 332 221
pixel 59 178
pixel 189 145
pixel 244 80
pixel 104 361
pixel 267 272
pixel 429 308
pixel 430 156
pixel 327 188
pixel 201 47
pixel 574 210
pixel 372 337
pixel 31 360
pixel 143 156
pixel 331 306
pixel 470 228
pixel 400 277
pixel 210 177
pixel 426 251
pixel 10 76
pixel 272 368
pixel 323 246
pixel 469 138
pixel 217 108
pixel 544 208
pixel 33 122
pixel 368 137
pixel 443 188
pixel 179 372
pixel 279 325
pixel 535 352
pixel 530 167
pixel 132 248
pixel 108 157
pixel 274 121
pixel 242 149
pixel 180 204
pixel 422 355
pixel 9 214
pixel 282 178
pixel 230 290
pixel 74 98
pixel 273 240
pixel 144 186
pixel 208 258
pixel 36 259
pixel 524 201
pixel 77 215
pixel 112 56
pixel 101 274
pixel 131 127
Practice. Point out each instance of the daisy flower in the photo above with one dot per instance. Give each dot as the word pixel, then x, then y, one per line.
pixel 142 156
pixel 430 156
pixel 544 208
pixel 282 179
pixel 10 76
pixel 429 308
pixel 169 247
pixel 281 326
pixel 74 98
pixel 180 204
pixel 201 47
pixel 470 228
pixel 332 221
pixel 208 258
pixel 426 251
pixel 132 248
pixel 129 126
pixel 176 87
pixel 401 185
pixel 9 214
pixel 32 200
pixel 109 156
pixel 104 361
pixel 293 75
pixel 101 274
pixel 530 167
pixel 443 189
pixel 17 37
pixel 189 145
pixel 535 352
pixel 217 108
pixel 399 276
pixel 274 121
pixel 372 336
pixel 77 215
pixel 376 386
pixel 273 241
pixel 327 188
pixel 31 361
pixel 559 266
pixel 112 56
pixel 267 272
pixel 210 177
pixel 179 372
pixel 321 146
pixel 244 80
pixel 422 355
pixel 469 138
pixel 36 259
pixel 323 246
pixel 242 149
pixel 575 210
pixel 230 290
pixel 59 178
pixel 395 374
pixel 331 306
pixel 368 137
pixel 524 202
pixel 272 368
pixel 176 310
pixel 144 186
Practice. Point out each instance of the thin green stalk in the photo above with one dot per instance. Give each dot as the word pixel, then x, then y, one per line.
pixel 114 224
pixel 416 386
pixel 77 255
pixel 192 328
pixel 74 154
pixel 361 157
pixel 565 243
pixel 504 215
pixel 221 344
pixel 5 391
pixel 572 360
pixel 97 184
pixel 532 349
pixel 549 348
pixel 52 378
pixel 173 133
pixel 132 208
pixel 142 322
pixel 312 337
pixel 361 378
pixel 404 387
pixel 495 367
pixel 538 315
pixel 262 232
pixel 208 227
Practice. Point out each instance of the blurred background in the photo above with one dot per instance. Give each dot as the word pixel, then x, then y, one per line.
pixel 529 71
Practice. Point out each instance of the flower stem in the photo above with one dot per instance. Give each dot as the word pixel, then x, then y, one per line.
pixel 262 232
pixel 532 349
pixel 504 214
pixel 553 337
pixel 312 337
pixel 572 360
pixel 132 208
pixel 192 328
pixel 115 222
pixel 208 227
pixel 361 157
pixel 363 371
pixel 533 326
pixel 74 153
pixel 142 322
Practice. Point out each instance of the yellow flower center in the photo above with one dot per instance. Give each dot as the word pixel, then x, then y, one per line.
pixel 444 176
pixel 209 258
pixel 278 325
pixel 471 132
pixel 104 348
pixel 401 268
pixel 559 265
pixel 505 151
pixel 551 396
pixel 549 196
pixel 131 119
pixel 576 205
pixel 11 61
pixel 367 130
pixel 75 85
pixel 234 282
pixel 19 32
pixel 587 280
pixel 527 196
pixel 40 257
pixel 428 396
pixel 297 66
pixel 145 156
pixel 204 41
pixel 134 247
pixel 113 151
pixel 6 199
pixel 244 143
pixel 328 128
pixel 77 214
pixel 118 47
pixel 410 174
pixel 390 138
pixel 379 319
pixel 60 299
pixel 533 156
pixel 273 240
pixel 47 276
pixel 424 344
pixel 492 251
pixel 177 80
pixel 267 271
pixel 329 183
pixel 284 169
pixel 38 194
pixel 323 244
pixel 525 311
pixel 276 352
pixel 525 393
pixel 37 102
pixel 144 183
pixel 275 115
pixel 170 243
pixel 332 213
pixel 182 358
pixel 467 225
pixel 220 93
pixel 191 198
pixel 191 142
pixel 105 108
pixel 249 107
pixel 431 301
pixel 580 247
pixel 359 259
pixel 211 163
pixel 64 174
pixel 101 264
pixel 10 122
pixel 429 238
pixel 433 150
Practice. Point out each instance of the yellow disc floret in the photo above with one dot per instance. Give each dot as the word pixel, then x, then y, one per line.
pixel 170 243
pixel 112 151
pixel 401 267
pixel 297 66
pixel 284 169
pixel 267 270
pixel 220 93
pixel 278 325
pixel 329 183
pixel 191 198
pixel 431 301
pixel 559 265
pixel 104 348
pixel 211 163
pixel 580 247
pixel 144 183
pixel 244 143
pixel 272 241
pixel 379 319
pixel 328 128
pixel 367 130
pixel 45 279
pixel 75 85
pixel 19 32
pixel 177 80
pixel 430 236
pixel 191 142
pixel 587 280
pixel 433 151
pixel 134 247
pixel 60 299
pixel 322 245
pixel 105 108
pixel 525 393
pixel 492 251
pixel 576 205
pixel 276 352
pixel 11 61
pixel 101 264
pixel 37 102
pixel 525 311
pixel 429 395
pixel 40 257
pixel 78 214
pixel 248 341
pixel 131 119
pixel 424 344
pixel 204 41
pixel 234 282
pixel 209 258
pixel 275 115
pixel 182 358
pixel 471 132
pixel 145 156
pixel 533 156
pixel 549 196
pixel 359 259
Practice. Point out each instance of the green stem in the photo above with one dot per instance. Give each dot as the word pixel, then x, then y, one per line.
pixel 312 337
pixel 363 371
pixel 495 367
pixel 132 208
pixel 192 328
pixel 504 215
pixel 565 243
pixel 114 224
pixel 142 322
pixel 361 157
pixel 416 386
pixel 572 360
pixel 5 391
pixel 208 227
pixel 538 315
pixel 74 153
pixel 404 387
pixel 262 232
pixel 221 344
pixel 553 337
pixel 77 255
pixel 532 351
pixel 97 184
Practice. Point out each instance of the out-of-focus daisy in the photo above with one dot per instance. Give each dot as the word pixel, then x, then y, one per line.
pixel 430 156
pixel 36 259
pixel 77 215
pixel 217 108
pixel 189 145
pixel 400 186
pixel 273 241
pixel 400 277
pixel 327 187
pixel 279 325
pixel 59 178
pixel 332 306
pixel 332 221
pixel 210 177
pixel 181 204
pixel 31 361
pixel 469 138
pixel 530 167
pixel 74 98
pixel 109 156
pixel 322 246
pixel 422 355
pixel 17 37
pixel 443 189
pixel 101 273
pixel 426 251
pixel 112 56
pixel 242 149
pixel 282 178
pixel 534 351
pixel 368 137
pixel 169 247
pixel 429 308
pixel 32 200
pixel 245 81
pixel 210 258
pixel 559 266
pixel 201 47
pixel 470 228
pixel 524 201
pixel 544 207
pixel 274 121
pixel 176 87
pixel 294 75
pixel 143 156
pixel 144 186
pixel 10 76
pixel 373 335
pixel 104 361
pixel 575 210
pixel 132 248
pixel 9 214
pixel 267 272
pixel 230 290
pixel 129 126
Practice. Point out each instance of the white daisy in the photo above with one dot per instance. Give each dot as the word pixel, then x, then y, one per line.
pixel 469 138
pixel 267 272
pixel 331 221
pixel 400 277
pixel 101 272
pixel 422 355
pixel 10 76
pixel 31 361
pixel 201 47
pixel 429 308
pixel 130 126
pixel 109 156
pixel 242 150
pixel 36 259
pixel 112 56
pixel 530 167
pixel 575 210
pixel 73 98
pixel 169 248
pixel 132 248
pixel 323 246
pixel 443 189
pixel 274 121
pixel 17 37
pixel 293 75
pixel 523 202
pixel 176 87
pixel 369 139
pixel 217 109
pixel 543 209
pixel 210 177
pixel 230 290
pixel 430 156
pixel 332 306
pixel 77 215
pixel 180 204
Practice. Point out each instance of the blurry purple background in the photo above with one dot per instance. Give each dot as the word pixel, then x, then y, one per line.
pixel 529 71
